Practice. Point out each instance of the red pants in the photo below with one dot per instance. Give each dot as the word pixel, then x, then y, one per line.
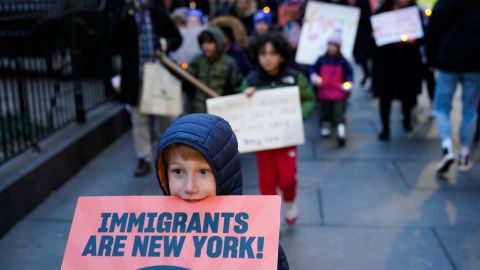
pixel 278 168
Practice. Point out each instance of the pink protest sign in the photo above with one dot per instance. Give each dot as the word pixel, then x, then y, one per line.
pixel 155 232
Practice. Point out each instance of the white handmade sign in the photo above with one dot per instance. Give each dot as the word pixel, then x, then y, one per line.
pixel 396 26
pixel 161 91
pixel 269 119
pixel 321 20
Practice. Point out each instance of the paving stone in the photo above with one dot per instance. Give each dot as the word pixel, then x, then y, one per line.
pixel 351 175
pixel 308 206
pixel 340 248
pixel 34 245
pixel 422 175
pixel 369 206
pixel 396 149
pixel 463 247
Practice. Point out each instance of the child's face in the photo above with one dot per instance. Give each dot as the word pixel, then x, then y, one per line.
pixel 332 49
pixel 190 180
pixel 209 48
pixel 269 59
pixel 261 27
pixel 193 21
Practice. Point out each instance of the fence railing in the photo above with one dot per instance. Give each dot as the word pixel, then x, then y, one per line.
pixel 41 90
pixel 35 103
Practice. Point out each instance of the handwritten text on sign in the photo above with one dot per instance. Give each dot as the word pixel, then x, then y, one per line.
pixel 269 119
pixel 398 25
pixel 321 20
pixel 225 232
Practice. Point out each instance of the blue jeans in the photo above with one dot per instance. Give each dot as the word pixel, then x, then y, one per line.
pixel 445 89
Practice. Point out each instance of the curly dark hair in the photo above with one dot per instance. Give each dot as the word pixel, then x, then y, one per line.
pixel 279 43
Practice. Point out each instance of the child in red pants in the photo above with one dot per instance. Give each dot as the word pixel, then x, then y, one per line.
pixel 278 167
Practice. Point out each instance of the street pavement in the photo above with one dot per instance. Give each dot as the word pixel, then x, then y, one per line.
pixel 370 205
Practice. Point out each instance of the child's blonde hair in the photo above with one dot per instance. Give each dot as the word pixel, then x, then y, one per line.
pixel 184 151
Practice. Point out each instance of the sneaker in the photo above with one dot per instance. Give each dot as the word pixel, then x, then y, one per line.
pixel 464 163
pixel 341 134
pixel 444 164
pixel 291 212
pixel 325 132
pixel 143 168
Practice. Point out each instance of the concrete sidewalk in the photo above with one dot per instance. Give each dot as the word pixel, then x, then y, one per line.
pixel 370 205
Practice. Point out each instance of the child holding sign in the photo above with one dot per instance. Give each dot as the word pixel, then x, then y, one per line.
pixel 198 157
pixel 278 167
pixel 333 76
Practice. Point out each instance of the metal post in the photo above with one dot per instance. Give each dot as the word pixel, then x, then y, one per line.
pixel 77 88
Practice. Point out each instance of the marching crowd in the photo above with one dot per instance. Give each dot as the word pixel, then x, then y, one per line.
pixel 246 46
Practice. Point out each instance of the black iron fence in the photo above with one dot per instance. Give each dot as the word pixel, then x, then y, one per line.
pixel 54 67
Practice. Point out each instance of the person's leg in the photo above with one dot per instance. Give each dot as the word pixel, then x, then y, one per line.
pixel 286 165
pixel 408 104
pixel 470 101
pixel 325 117
pixel 339 121
pixel 366 72
pixel 267 175
pixel 385 106
pixel 430 79
pixel 141 141
pixel 477 129
pixel 442 105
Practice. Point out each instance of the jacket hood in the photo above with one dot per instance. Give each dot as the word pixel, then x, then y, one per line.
pixel 218 36
pixel 239 32
pixel 213 137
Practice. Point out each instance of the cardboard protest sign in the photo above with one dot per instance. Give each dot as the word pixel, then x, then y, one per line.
pixel 396 26
pixel 269 119
pixel 164 232
pixel 161 91
pixel 321 20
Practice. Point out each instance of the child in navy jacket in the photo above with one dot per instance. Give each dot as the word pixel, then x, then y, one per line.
pixel 332 76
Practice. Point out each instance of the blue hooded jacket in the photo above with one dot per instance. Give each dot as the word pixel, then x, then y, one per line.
pixel 213 137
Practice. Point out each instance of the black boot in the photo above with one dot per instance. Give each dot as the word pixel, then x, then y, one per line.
pixel 143 168
pixel 407 125
pixel 384 135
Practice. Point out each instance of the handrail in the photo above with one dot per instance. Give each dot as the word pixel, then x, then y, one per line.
pixel 186 76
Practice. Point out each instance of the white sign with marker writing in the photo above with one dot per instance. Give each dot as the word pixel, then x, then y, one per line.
pixel 269 119
pixel 398 25
pixel 321 21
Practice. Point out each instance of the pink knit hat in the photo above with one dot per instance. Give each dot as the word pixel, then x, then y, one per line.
pixel 336 37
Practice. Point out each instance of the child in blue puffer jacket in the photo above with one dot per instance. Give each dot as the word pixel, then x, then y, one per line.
pixel 204 147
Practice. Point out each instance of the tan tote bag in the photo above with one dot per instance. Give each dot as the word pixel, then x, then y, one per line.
pixel 161 91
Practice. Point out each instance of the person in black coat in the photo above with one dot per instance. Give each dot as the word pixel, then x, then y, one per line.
pixel 364 43
pixel 396 74
pixel 205 138
pixel 453 48
pixel 140 20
